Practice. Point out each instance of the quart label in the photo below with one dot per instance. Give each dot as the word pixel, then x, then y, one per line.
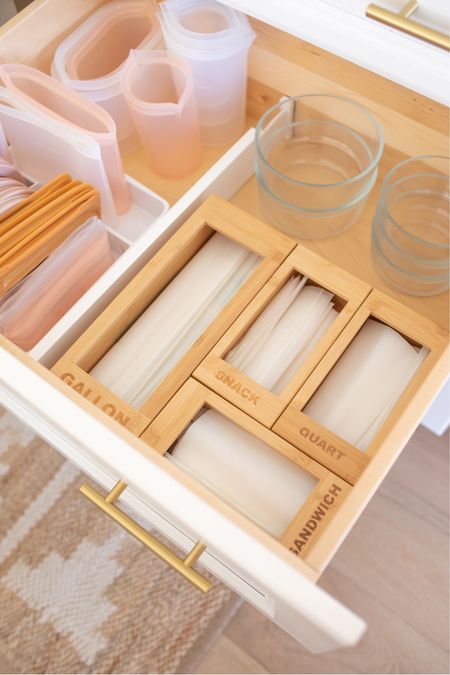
pixel 318 441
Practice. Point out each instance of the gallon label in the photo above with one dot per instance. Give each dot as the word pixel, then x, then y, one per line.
pixel 96 398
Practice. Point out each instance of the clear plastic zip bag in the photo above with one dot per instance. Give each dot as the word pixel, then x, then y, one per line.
pixel 35 304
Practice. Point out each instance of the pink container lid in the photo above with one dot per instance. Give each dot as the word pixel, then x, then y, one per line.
pixel 106 38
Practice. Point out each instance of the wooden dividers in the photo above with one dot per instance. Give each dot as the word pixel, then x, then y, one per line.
pixel 241 390
pixel 215 215
pixel 306 529
pixel 325 446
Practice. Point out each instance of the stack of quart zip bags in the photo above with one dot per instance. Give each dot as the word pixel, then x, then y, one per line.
pixel 53 246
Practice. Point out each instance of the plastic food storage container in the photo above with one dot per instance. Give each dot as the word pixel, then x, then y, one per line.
pixel 68 149
pixel 159 91
pixel 410 229
pixel 90 60
pixel 317 164
pixel 43 94
pixel 214 40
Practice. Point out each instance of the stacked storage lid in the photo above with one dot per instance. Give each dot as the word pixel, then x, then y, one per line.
pixel 214 40
pixel 90 60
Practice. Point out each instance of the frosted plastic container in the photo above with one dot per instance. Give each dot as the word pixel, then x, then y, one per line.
pixel 44 94
pixel 67 148
pixel 90 60
pixel 160 95
pixel 194 21
pixel 214 40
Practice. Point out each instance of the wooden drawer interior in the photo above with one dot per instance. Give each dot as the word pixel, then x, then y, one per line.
pixel 412 124
pixel 283 65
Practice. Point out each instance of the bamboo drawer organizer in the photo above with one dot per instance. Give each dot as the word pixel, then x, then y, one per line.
pixel 215 215
pixel 339 456
pixel 307 528
pixel 234 385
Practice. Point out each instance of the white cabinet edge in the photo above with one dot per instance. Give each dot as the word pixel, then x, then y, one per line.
pixel 437 418
pixel 384 50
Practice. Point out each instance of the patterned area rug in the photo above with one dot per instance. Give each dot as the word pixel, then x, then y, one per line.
pixel 79 595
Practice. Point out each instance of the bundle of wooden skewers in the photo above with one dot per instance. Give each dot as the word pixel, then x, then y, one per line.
pixel 38 222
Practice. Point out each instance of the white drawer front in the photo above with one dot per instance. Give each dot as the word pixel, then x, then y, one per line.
pixel 342 28
pixel 283 592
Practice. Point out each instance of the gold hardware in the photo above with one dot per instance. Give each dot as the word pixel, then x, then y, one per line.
pixel 401 21
pixel 183 566
pixel 409 8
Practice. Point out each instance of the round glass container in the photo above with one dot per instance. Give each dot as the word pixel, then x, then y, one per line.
pixel 410 229
pixel 317 154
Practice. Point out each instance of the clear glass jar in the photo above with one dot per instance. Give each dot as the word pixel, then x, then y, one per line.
pixel 316 154
pixel 301 223
pixel 410 229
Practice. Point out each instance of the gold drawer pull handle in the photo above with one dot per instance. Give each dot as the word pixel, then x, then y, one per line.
pixel 183 566
pixel 402 22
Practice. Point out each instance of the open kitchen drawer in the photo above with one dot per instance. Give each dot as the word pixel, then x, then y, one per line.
pixel 238 552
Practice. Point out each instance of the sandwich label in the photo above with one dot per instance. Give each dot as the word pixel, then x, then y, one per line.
pixel 303 536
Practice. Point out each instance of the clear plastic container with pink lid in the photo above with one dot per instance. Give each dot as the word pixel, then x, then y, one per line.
pixel 214 39
pixel 91 59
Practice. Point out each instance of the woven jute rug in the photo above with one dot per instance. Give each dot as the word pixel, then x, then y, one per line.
pixel 77 593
